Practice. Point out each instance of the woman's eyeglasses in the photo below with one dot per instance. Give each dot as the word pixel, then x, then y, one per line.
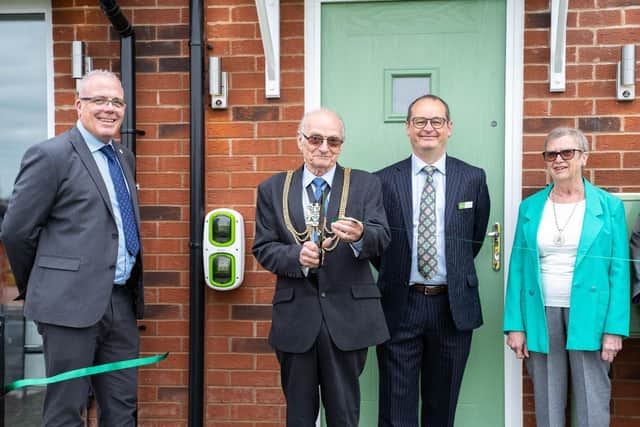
pixel 550 156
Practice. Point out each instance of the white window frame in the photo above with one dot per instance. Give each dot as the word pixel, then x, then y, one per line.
pixel 40 6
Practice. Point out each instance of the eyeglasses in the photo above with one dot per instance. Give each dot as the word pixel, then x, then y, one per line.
pixel 421 122
pixel 550 156
pixel 117 103
pixel 317 140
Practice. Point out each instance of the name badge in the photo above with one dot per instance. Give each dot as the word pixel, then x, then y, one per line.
pixel 465 205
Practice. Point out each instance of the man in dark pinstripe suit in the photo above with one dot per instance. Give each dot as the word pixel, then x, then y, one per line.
pixel 430 299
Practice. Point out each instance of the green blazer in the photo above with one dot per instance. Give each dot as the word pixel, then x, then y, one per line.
pixel 600 291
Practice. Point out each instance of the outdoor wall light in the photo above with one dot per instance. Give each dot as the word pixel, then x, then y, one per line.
pixel 218 83
pixel 626 76
pixel 80 64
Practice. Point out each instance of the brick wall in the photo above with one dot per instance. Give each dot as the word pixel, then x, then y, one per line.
pixel 596 30
pixel 255 138
pixel 162 96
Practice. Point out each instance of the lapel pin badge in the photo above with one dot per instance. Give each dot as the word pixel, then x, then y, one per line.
pixel 465 205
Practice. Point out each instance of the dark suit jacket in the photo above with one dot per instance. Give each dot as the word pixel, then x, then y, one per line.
pixel 345 294
pixel 60 234
pixel 464 233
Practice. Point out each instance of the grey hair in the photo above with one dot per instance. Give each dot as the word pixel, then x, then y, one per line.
pixel 321 110
pixel 93 73
pixel 574 133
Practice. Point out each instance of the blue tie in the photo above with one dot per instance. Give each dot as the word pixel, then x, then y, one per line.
pixel 319 184
pixel 124 201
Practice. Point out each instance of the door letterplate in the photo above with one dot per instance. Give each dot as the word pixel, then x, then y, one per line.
pixel 496 254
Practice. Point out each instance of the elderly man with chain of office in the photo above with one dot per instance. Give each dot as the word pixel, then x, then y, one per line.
pixel 316 228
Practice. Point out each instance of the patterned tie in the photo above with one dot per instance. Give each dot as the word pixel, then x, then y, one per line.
pixel 427 253
pixel 319 184
pixel 124 201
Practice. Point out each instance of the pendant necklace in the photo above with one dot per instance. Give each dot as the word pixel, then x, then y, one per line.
pixel 558 238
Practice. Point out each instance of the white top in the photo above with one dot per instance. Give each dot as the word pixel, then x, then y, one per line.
pixel 558 256
pixel 418 180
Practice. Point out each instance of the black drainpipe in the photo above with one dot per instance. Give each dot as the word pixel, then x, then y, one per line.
pixel 196 199
pixel 120 23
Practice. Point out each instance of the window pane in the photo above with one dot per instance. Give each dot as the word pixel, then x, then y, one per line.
pixel 23 96
pixel 406 89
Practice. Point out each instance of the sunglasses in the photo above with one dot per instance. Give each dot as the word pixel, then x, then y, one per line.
pixel 550 156
pixel 318 140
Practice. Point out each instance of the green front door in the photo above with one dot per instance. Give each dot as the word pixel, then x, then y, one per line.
pixel 374 57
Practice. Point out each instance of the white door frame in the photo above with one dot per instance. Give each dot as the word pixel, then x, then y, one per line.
pixel 512 151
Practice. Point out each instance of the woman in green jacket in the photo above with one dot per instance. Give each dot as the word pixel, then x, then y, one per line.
pixel 568 298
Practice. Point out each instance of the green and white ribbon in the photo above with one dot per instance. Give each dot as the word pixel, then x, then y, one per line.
pixel 83 372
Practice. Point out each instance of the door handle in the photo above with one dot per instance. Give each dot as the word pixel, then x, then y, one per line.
pixel 496 252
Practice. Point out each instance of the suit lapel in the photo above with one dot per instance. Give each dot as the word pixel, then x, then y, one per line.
pixel 294 201
pixel 592 224
pixel 452 185
pixel 87 160
pixel 403 186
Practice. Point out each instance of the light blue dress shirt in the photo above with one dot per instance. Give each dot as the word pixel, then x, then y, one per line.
pixel 418 179
pixel 124 262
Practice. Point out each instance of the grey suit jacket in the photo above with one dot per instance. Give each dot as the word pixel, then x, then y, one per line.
pixel 464 233
pixel 60 234
pixel 343 292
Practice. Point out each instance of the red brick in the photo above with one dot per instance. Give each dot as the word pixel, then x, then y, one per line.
pixel 158 410
pixel 618 36
pixel 67 17
pixel 600 18
pixel 160 377
pixel 232 361
pixel 620 178
pixel 596 89
pixel 269 395
pixel 254 378
pixel 631 160
pixel 232 31
pixel 230 130
pixel 604 161
pixel 156 16
pixel 231 395
pixel 572 108
pixel 238 196
pixel 613 107
pixel 230 328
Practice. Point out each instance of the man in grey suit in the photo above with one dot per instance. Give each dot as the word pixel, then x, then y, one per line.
pixel 71 233
pixel 438 209
pixel 326 307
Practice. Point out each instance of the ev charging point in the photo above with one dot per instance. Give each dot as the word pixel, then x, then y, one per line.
pixel 223 249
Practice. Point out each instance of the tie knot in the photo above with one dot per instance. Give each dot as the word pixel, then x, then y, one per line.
pixel 107 149
pixel 429 169
pixel 319 182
